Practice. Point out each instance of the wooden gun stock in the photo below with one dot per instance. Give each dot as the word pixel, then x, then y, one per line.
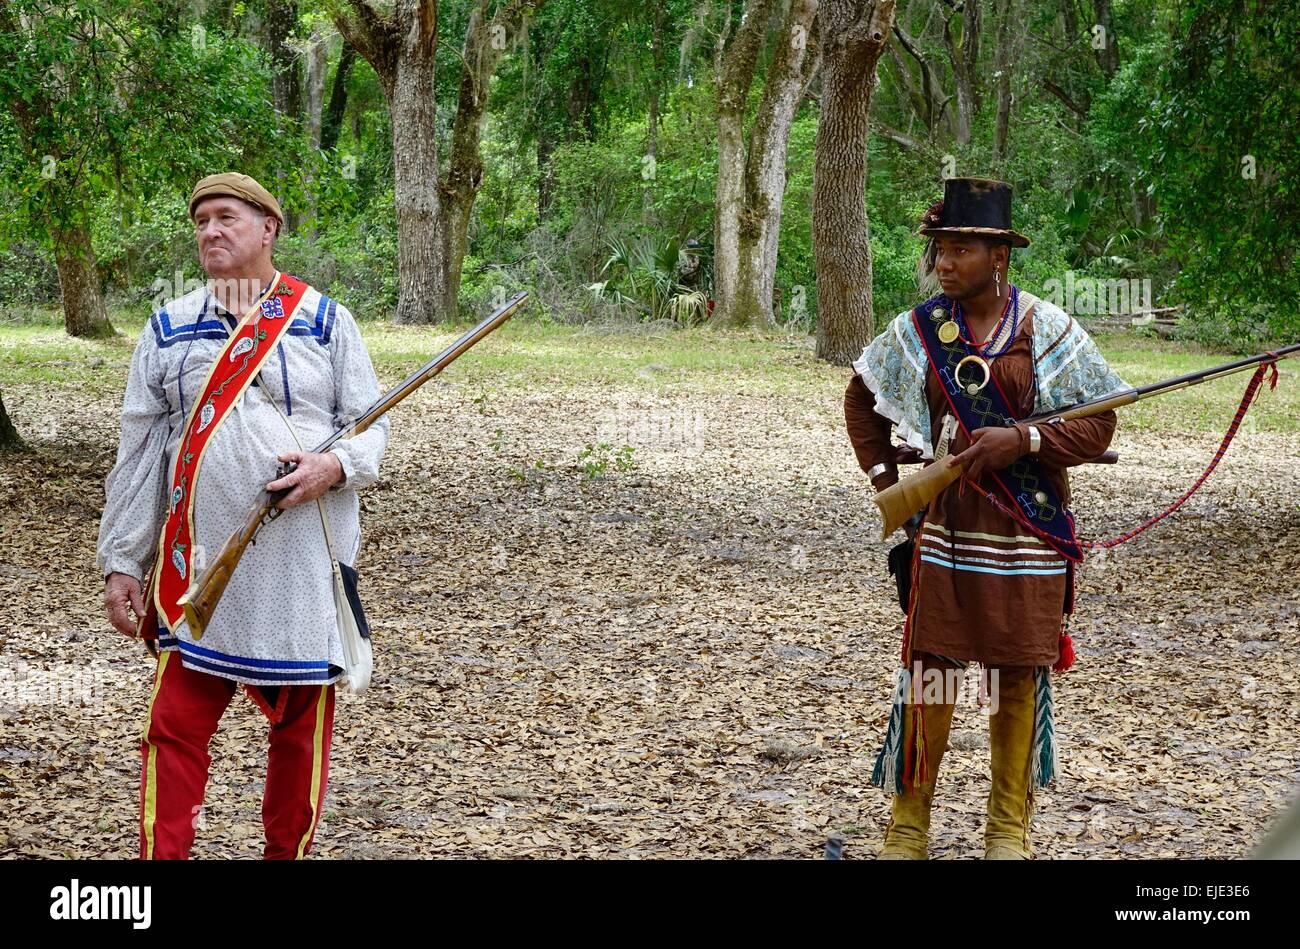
pixel 200 600
pixel 902 499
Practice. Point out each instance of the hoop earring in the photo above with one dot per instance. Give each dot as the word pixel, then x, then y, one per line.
pixel 997 282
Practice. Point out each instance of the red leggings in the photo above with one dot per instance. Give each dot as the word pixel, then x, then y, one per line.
pixel 184 709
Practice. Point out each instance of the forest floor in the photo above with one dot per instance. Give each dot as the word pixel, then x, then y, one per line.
pixel 629 600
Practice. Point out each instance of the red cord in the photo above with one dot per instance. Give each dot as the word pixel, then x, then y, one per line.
pixel 1246 399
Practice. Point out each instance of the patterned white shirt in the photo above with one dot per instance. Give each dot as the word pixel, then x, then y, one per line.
pixel 276 623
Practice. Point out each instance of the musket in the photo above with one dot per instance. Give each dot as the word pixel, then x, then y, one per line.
pixel 901 500
pixel 200 601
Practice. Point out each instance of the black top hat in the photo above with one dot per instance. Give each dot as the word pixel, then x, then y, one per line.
pixel 976 206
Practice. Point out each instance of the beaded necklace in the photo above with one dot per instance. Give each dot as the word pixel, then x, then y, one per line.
pixel 1003 334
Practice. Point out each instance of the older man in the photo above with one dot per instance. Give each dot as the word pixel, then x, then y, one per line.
pixel 255 366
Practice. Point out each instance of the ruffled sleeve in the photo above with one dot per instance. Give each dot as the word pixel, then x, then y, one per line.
pixel 1070 367
pixel 1070 370
pixel 893 368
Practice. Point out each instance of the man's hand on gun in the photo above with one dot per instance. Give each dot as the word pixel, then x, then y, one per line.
pixel 991 449
pixel 314 474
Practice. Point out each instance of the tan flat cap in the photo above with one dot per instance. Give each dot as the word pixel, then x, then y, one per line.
pixel 234 185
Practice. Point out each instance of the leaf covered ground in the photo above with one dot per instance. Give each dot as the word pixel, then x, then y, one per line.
pixel 630 600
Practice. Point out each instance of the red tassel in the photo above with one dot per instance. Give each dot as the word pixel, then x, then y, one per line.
pixel 1067 653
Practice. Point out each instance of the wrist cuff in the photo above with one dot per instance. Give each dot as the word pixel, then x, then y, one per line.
pixel 885 467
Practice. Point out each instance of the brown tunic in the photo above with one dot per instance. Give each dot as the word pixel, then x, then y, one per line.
pixel 987 589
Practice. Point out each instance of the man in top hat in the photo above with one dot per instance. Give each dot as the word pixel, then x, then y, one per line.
pixel 253 367
pixel 986 575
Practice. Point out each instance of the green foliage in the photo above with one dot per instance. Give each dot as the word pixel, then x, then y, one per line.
pixel 643 276
pixel 354 258
pixel 526 472
pixel 27 276
pixel 1224 160
pixel 1135 175
pixel 596 459
pixel 111 104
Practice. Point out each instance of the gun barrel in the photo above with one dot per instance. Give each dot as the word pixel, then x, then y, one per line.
pixel 899 501
pixel 1128 396
pixel 427 371
pixel 200 601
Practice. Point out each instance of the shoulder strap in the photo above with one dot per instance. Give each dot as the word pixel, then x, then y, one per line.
pixel 324 521
pixel 1024 483
pixel 240 359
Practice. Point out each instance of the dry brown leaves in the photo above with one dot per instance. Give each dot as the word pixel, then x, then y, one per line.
pixel 690 658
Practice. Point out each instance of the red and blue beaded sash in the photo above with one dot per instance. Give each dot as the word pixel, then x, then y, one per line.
pixel 238 364
pixel 1024 483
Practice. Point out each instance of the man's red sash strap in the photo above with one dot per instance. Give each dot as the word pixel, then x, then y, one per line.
pixel 238 364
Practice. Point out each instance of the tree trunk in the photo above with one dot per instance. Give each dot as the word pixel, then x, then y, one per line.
pixel 751 176
pixel 1004 10
pixel 791 70
pixel 9 438
pixel 84 314
pixel 964 55
pixel 735 69
pixel 401 47
pixel 1070 17
pixel 317 64
pixel 727 205
pixel 482 51
pixel 281 21
pixel 1108 55
pixel 421 222
pixel 854 35
pixel 584 92
pixel 286 89
pixel 332 120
